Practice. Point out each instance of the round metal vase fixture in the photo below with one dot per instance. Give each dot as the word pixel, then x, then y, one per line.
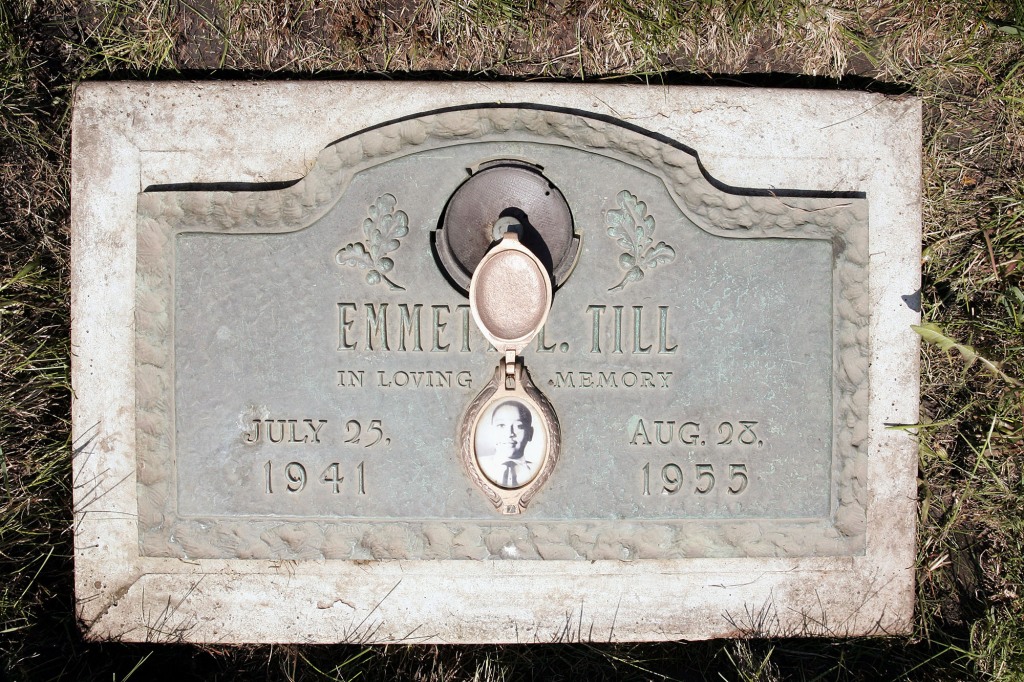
pixel 506 189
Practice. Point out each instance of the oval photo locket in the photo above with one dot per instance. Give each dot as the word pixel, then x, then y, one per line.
pixel 510 436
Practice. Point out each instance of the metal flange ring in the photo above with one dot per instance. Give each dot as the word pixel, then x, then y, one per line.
pixel 501 189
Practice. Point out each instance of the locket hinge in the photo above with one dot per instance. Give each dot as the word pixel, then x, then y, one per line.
pixel 511 364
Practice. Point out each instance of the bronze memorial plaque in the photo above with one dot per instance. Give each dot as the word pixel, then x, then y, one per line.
pixel 314 378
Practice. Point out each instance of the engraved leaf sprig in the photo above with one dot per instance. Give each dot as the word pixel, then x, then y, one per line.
pixel 633 230
pixel 383 229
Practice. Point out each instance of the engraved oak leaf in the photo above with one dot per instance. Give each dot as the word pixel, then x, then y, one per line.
pixel 383 230
pixel 633 229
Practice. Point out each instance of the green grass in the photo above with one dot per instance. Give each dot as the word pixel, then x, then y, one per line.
pixel 963 59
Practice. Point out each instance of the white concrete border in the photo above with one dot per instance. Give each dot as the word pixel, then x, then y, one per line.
pixel 127 136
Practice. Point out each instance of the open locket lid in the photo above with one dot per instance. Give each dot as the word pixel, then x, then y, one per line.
pixel 510 294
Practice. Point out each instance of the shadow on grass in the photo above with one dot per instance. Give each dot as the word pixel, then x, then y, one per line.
pixel 673 78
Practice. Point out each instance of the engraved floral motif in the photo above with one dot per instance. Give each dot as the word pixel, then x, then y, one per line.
pixel 633 229
pixel 383 229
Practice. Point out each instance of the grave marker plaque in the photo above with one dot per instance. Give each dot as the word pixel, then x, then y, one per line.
pixel 322 436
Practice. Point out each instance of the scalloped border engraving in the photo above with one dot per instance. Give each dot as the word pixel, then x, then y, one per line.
pixel 162 215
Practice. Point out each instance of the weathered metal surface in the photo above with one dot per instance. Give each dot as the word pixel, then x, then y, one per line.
pixel 304 363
